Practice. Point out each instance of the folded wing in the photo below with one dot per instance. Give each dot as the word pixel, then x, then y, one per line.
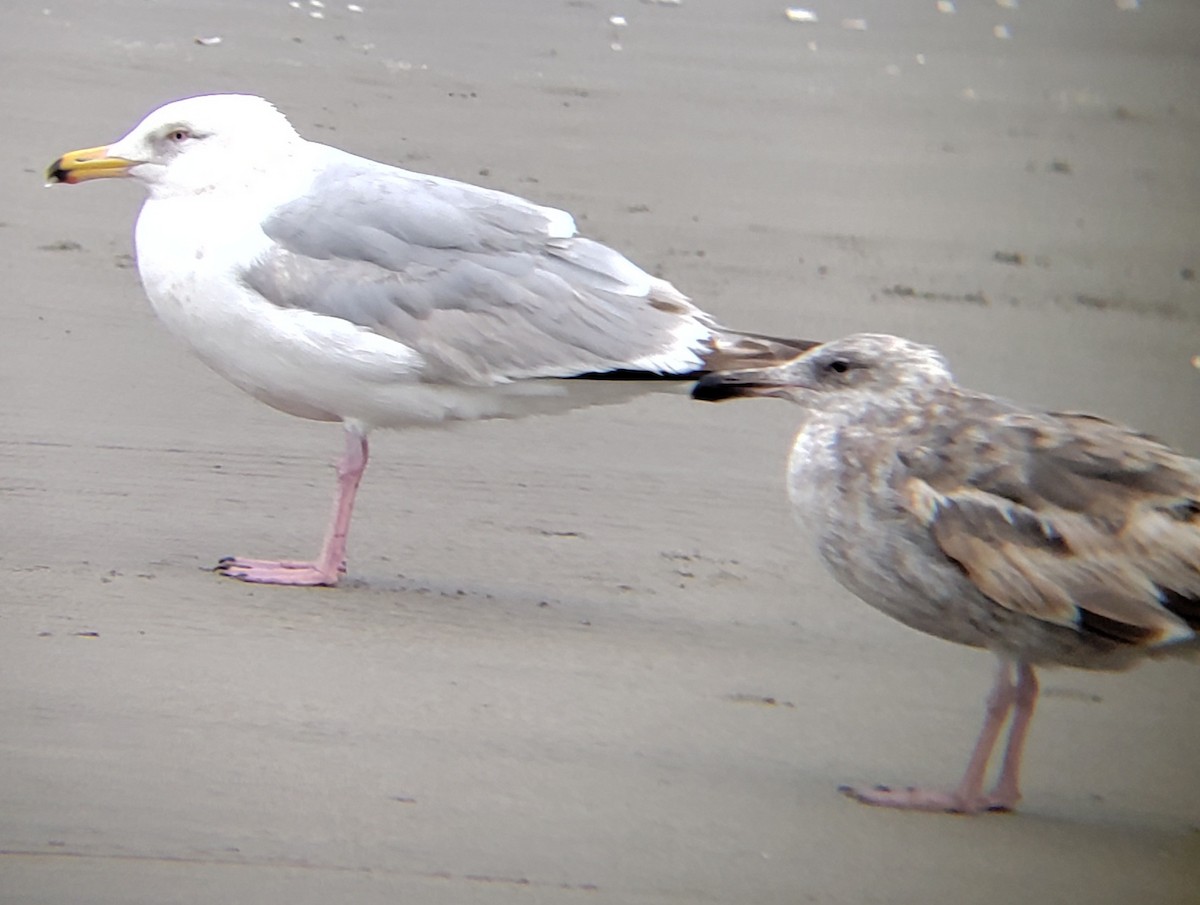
pixel 486 286
pixel 1070 519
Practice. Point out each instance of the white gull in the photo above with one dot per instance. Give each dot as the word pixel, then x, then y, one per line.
pixel 336 288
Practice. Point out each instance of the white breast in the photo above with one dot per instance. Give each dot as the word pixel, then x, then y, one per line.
pixel 191 251
pixel 812 475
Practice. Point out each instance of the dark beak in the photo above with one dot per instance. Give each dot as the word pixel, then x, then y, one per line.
pixel 721 385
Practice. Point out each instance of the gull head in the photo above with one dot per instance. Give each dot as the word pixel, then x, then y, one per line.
pixel 190 146
pixel 859 370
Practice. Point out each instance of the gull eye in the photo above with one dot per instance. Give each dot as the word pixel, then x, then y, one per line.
pixel 839 366
pixel 178 135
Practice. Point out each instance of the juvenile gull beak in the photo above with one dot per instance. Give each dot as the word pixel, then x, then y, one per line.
pixel 87 163
pixel 721 385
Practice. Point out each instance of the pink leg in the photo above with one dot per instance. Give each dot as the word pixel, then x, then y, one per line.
pixel 1007 791
pixel 332 560
pixel 968 797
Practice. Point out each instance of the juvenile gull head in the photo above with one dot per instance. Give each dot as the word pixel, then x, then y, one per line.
pixel 867 369
pixel 336 288
pixel 1047 538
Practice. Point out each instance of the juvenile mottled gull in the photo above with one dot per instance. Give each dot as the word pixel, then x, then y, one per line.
pixel 1047 538
pixel 336 288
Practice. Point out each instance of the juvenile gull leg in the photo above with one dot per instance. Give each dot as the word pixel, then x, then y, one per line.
pixel 331 562
pixel 968 798
pixel 1007 791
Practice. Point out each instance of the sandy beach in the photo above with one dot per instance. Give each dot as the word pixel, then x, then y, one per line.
pixel 582 658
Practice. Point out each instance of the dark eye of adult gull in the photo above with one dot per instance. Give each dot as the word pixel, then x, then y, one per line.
pixel 1050 539
pixel 336 288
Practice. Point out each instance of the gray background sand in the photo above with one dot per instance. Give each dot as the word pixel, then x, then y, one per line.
pixel 547 680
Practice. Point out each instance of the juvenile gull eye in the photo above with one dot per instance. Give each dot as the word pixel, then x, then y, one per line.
pixel 839 366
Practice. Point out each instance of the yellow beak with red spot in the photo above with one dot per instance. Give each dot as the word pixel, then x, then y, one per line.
pixel 88 163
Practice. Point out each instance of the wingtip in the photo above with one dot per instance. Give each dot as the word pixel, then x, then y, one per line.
pixel 718 387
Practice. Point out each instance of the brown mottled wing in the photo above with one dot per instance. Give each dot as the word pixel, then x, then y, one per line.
pixel 1067 518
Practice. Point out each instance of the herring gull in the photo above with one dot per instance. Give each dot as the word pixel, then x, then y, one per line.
pixel 1051 539
pixel 336 288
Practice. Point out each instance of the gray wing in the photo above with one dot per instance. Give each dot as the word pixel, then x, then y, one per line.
pixel 1067 518
pixel 486 286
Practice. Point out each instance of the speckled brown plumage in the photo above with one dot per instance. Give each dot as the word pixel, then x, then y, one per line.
pixel 1047 538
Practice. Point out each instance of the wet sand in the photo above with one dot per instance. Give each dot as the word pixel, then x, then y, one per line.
pixel 581 658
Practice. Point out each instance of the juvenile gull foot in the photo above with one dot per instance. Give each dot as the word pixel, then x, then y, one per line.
pixel 969 798
pixel 914 798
